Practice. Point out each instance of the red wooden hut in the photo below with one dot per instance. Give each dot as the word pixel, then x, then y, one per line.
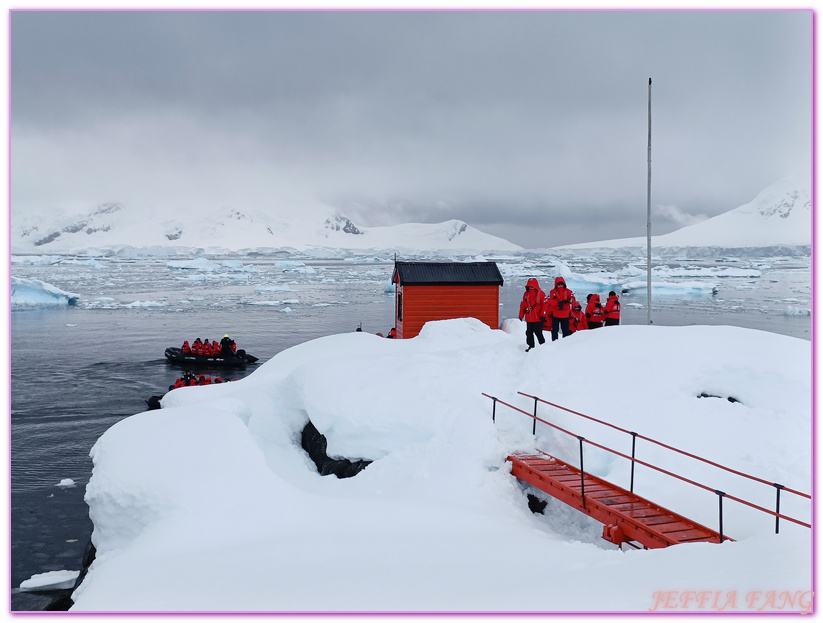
pixel 427 291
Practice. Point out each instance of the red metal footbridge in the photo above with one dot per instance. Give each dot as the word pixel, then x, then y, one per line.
pixel 626 517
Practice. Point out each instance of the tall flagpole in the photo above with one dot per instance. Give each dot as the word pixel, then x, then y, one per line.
pixel 649 213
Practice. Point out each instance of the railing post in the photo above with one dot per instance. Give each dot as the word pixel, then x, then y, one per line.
pixel 534 425
pixel 777 510
pixel 494 407
pixel 634 439
pixel 582 489
pixel 720 495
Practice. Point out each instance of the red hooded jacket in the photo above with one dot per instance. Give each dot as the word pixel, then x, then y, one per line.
pixel 533 305
pixel 612 308
pixel 560 300
pixel 577 321
pixel 594 311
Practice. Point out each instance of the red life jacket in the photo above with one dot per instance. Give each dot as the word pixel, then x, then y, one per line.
pixel 612 308
pixel 533 305
pixel 560 300
pixel 186 348
pixel 594 311
pixel 577 322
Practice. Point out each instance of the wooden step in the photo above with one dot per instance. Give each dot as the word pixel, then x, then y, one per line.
pixel 627 517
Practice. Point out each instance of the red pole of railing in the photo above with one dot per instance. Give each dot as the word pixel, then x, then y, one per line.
pixel 668 447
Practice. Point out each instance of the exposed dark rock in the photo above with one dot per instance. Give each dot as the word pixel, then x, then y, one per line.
pixel 73 229
pixel 705 395
pixel 536 505
pixel 315 445
pixel 50 238
pixel 61 602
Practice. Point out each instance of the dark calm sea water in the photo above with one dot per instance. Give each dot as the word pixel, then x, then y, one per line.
pixel 76 371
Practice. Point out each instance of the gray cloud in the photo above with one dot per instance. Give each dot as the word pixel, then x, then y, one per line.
pixel 528 123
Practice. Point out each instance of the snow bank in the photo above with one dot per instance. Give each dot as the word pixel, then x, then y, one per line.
pixel 229 514
pixel 36 293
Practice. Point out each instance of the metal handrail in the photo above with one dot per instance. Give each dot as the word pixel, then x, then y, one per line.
pixel 634 460
pixel 668 447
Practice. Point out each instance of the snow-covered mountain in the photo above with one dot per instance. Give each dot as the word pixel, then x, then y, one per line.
pixel 780 215
pixel 114 226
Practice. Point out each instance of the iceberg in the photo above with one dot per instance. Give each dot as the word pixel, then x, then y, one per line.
pixel 666 288
pixel 200 263
pixel 36 293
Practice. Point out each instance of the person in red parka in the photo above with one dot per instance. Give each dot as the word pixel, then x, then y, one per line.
pixel 594 312
pixel 611 311
pixel 533 310
pixel 560 301
pixel 577 321
pixel 186 349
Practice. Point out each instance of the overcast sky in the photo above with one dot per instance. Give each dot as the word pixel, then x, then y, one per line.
pixel 530 125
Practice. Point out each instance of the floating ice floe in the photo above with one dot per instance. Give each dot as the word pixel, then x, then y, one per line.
pixel 36 293
pixel 146 304
pixel 283 288
pixel 50 581
pixel 36 260
pixel 797 311
pixel 664 288
pixel 362 259
pixel 238 266
pixel 686 271
pixel 200 263
pixel 89 262
pixel 66 483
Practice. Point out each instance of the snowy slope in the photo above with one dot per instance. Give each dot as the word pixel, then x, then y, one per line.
pixel 780 215
pixel 230 514
pixel 114 226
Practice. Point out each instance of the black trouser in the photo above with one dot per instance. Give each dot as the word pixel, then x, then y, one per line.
pixel 560 324
pixel 610 322
pixel 595 325
pixel 532 329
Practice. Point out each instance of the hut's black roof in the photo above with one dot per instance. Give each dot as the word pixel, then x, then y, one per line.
pixel 447 273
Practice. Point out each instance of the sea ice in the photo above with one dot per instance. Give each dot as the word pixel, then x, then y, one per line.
pixel 50 581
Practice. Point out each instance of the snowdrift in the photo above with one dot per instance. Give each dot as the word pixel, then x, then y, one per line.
pixel 211 504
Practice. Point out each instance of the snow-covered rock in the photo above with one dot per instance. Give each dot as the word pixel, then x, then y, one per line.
pixel 780 215
pixel 135 230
